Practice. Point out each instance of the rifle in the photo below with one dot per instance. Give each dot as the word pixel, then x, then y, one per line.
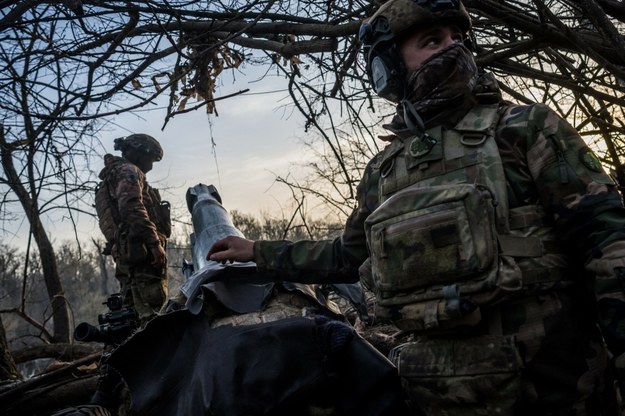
pixel 115 326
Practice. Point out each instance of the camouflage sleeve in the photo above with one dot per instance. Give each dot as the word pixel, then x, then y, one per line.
pixel 324 261
pixel 587 209
pixel 128 192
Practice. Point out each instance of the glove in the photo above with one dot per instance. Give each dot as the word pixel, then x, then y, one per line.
pixel 159 257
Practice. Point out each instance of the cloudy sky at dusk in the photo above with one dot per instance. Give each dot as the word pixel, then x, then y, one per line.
pixel 255 138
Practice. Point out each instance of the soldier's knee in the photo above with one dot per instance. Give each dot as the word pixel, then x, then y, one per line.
pixel 154 293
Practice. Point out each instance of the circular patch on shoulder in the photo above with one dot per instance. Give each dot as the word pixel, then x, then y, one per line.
pixel 421 145
pixel 590 159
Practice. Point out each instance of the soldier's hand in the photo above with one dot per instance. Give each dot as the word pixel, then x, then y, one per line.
pixel 231 249
pixel 159 255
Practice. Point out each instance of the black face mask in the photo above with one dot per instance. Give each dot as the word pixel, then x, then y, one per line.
pixel 443 78
pixel 439 90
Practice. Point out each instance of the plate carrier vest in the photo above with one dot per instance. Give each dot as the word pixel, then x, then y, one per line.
pixel 443 241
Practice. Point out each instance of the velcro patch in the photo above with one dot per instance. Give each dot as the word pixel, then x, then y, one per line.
pixel 590 160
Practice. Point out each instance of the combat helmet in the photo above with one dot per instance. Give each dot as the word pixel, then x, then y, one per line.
pixel 142 142
pixel 382 33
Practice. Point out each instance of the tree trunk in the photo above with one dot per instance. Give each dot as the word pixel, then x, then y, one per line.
pixel 60 307
pixel 53 397
pixel 8 369
pixel 102 264
pixel 72 384
pixel 61 352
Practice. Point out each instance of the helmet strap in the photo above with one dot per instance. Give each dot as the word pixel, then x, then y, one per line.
pixel 413 120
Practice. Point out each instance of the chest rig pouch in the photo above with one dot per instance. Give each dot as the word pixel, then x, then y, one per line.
pixel 443 202
pixel 159 211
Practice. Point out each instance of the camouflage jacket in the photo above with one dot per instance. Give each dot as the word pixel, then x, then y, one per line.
pixel 545 161
pixel 133 196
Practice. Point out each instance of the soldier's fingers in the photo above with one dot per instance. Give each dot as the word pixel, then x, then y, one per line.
pixel 220 256
pixel 217 246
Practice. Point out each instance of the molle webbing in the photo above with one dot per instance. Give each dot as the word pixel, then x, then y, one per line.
pixel 412 171
pixel 466 154
pixel 106 209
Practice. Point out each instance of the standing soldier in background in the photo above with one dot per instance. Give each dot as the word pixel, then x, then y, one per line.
pixel 135 223
pixel 488 231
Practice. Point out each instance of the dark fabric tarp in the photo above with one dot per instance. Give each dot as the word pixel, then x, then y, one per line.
pixel 179 365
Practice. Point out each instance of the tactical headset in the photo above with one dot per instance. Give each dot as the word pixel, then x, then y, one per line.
pixel 385 67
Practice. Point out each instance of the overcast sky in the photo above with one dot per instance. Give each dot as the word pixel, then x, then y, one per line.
pixel 254 140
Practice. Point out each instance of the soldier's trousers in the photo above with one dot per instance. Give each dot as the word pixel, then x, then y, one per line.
pixel 537 356
pixel 143 288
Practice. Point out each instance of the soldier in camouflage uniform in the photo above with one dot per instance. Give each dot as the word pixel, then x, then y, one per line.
pixel 135 223
pixel 487 230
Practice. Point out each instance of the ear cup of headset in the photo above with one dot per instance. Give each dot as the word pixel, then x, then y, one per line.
pixel 386 76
